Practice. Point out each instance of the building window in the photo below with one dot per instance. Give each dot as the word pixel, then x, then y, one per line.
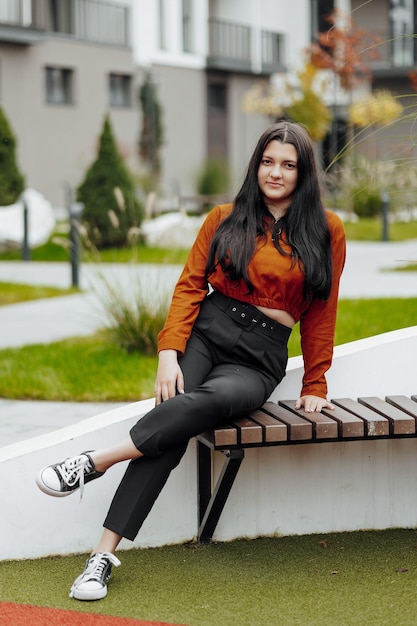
pixel 272 48
pixel 60 15
pixel 187 24
pixel 217 97
pixel 120 90
pixel 59 85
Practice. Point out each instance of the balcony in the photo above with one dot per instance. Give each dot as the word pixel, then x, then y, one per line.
pixel 239 48
pixel 27 22
pixel 273 52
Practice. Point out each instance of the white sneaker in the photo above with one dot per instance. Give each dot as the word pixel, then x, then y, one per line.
pixel 63 478
pixel 92 583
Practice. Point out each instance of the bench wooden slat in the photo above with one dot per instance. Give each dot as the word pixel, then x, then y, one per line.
pixel 273 430
pixel 275 424
pixel 401 423
pixel 349 425
pixel 404 403
pixel 324 427
pixel 223 436
pixel 248 431
pixel 375 424
pixel 299 429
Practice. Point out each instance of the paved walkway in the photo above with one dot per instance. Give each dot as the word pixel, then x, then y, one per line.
pixel 366 275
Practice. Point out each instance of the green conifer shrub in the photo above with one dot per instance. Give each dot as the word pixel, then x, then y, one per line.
pixel 152 133
pixel 12 182
pixel 111 208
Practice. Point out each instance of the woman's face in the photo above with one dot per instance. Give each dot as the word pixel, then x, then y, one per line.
pixel 278 174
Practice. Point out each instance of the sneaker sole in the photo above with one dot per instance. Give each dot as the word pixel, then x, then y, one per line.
pixel 78 594
pixel 51 492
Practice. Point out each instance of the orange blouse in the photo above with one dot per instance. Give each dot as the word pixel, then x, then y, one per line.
pixel 277 285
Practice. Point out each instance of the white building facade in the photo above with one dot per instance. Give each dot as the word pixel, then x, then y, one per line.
pixel 204 56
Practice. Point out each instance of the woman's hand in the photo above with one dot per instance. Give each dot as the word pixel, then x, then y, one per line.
pixel 313 404
pixel 169 379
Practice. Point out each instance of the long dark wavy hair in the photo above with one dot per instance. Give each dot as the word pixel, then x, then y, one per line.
pixel 304 225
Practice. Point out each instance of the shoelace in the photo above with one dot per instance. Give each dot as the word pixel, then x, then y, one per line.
pixel 96 565
pixel 74 469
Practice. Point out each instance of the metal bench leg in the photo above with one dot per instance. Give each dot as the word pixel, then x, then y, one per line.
pixel 211 504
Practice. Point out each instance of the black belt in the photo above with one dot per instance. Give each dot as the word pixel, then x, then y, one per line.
pixel 249 316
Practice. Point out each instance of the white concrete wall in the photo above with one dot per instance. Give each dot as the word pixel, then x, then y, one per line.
pixel 33 524
pixel 286 490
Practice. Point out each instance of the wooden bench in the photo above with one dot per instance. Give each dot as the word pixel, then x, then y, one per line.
pixel 281 424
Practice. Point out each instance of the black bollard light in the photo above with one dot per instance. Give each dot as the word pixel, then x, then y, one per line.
pixel 25 246
pixel 385 214
pixel 75 244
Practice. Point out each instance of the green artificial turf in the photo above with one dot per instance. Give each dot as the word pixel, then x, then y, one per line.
pixel 343 579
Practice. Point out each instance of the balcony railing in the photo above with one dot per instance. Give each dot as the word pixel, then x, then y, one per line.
pixel 89 20
pixel 236 47
pixel 272 51
pixel 229 45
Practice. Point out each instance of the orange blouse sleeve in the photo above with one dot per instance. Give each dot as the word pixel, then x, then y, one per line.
pixel 317 324
pixel 190 289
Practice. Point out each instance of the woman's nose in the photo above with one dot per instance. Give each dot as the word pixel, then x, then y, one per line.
pixel 276 171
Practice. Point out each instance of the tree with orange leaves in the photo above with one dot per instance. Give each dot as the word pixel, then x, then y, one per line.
pixel 342 49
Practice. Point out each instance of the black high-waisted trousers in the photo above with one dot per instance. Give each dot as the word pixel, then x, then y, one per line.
pixel 234 359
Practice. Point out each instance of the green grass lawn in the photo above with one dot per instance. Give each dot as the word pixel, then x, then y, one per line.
pixel 92 369
pixel 53 250
pixel 11 293
pixel 371 230
pixel 87 369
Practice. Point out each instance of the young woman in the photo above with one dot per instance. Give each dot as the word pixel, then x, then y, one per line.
pixel 272 258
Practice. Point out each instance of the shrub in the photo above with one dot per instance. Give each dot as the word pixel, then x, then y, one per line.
pixel 367 203
pixel 152 133
pixel 111 208
pixel 12 182
pixel 213 178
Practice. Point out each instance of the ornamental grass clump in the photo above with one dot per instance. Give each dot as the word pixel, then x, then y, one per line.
pixel 134 316
pixel 363 183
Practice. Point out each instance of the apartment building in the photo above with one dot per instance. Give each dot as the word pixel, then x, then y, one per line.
pixel 64 64
pixel 204 56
